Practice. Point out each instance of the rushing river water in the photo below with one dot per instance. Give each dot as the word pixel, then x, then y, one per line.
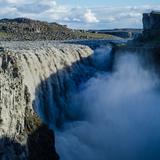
pixel 119 114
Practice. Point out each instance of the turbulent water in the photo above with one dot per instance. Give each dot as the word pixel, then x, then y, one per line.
pixel 119 114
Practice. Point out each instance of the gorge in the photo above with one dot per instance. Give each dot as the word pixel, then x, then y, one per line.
pixel 83 100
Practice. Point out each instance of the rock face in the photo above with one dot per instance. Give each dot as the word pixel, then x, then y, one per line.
pixel 35 76
pixel 151 25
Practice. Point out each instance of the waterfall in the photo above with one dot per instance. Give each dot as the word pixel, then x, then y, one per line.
pixel 95 114
pixel 37 77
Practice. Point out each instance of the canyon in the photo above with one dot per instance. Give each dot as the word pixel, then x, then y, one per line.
pixel 84 99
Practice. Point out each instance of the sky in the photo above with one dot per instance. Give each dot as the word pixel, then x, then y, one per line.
pixel 81 14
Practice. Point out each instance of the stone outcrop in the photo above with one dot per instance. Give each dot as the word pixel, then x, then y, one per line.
pixel 151 25
pixel 34 77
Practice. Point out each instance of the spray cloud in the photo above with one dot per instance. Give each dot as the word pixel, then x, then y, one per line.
pixel 119 116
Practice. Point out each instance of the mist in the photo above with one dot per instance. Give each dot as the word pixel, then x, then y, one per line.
pixel 119 115
pixel 101 58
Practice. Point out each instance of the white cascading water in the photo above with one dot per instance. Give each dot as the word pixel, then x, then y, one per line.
pixel 119 115
pixel 38 75
pixel 111 116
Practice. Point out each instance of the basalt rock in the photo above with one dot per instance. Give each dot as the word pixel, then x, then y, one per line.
pixel 151 25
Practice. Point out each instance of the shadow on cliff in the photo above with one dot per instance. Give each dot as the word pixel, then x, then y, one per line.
pixel 40 145
pixel 10 149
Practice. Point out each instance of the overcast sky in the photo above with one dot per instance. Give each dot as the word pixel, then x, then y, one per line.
pixel 87 14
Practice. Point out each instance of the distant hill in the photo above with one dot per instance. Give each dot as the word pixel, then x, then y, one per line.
pixel 27 29
pixel 123 33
